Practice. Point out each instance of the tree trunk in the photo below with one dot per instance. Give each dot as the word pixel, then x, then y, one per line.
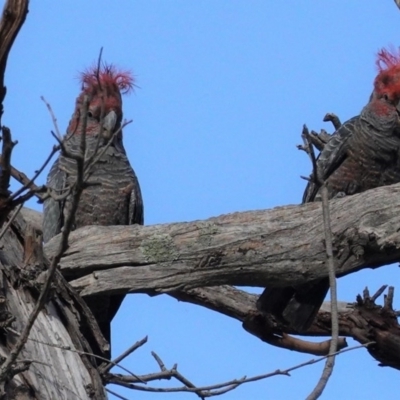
pixel 53 372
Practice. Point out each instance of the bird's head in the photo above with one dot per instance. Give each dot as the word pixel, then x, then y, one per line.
pixel 103 87
pixel 386 94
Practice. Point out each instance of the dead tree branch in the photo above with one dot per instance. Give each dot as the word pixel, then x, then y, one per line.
pixel 276 248
pixel 125 354
pixel 8 200
pixel 13 17
pixel 241 305
pixel 281 246
pixel 205 391
pixel 30 184
pixel 22 266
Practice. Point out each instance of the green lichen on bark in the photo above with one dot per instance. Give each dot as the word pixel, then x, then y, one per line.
pixel 206 232
pixel 160 248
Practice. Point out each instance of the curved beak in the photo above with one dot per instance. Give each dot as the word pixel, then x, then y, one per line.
pixel 109 123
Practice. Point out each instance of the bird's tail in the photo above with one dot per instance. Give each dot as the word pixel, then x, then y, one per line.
pixel 297 306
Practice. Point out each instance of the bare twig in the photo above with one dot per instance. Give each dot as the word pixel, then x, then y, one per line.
pixel 80 352
pixel 28 185
pixel 53 118
pixel 24 180
pixel 125 354
pixel 330 361
pixel 211 390
pixel 388 304
pixel 310 151
pixel 379 292
pixel 178 376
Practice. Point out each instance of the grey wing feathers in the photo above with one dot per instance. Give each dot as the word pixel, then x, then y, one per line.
pixel 136 214
pixel 52 209
pixel 123 168
pixel 331 157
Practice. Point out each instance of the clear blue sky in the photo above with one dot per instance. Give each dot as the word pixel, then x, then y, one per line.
pixel 223 90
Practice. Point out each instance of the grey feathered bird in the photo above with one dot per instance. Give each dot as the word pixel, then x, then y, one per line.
pixel 116 198
pixel 364 153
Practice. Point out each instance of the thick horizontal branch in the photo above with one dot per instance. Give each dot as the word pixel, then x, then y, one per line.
pixel 353 317
pixel 278 247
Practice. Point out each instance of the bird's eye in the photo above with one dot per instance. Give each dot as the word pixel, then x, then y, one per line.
pixel 90 114
pixel 386 97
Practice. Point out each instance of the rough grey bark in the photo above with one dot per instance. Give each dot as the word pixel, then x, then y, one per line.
pixel 278 247
pixel 54 373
